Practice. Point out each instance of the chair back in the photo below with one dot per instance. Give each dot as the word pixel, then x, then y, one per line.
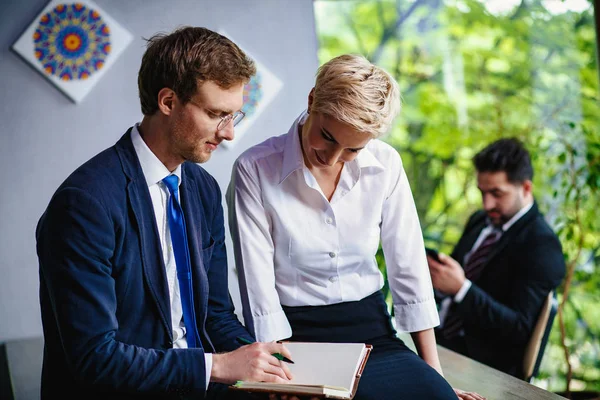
pixel 21 368
pixel 534 351
pixel 6 388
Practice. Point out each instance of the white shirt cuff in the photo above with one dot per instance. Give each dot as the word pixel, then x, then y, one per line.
pixel 272 327
pixel 208 364
pixel 460 295
pixel 416 317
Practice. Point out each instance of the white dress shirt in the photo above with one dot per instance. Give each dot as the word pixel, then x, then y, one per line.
pixel 154 172
pixel 462 292
pixel 294 247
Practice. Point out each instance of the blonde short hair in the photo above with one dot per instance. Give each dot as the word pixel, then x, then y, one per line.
pixel 353 91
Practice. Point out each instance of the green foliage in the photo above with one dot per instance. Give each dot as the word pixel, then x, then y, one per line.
pixel 469 75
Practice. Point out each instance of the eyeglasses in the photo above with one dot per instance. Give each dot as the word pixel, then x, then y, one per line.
pixel 236 117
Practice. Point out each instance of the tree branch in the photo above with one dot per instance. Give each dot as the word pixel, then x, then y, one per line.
pixel 354 29
pixel 388 31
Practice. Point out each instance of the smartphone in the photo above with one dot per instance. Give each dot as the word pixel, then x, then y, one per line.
pixel 432 253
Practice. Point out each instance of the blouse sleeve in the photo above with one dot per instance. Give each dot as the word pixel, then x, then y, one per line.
pixel 404 250
pixel 253 250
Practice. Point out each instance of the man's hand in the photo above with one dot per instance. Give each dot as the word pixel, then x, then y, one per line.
pixel 468 395
pixel 253 362
pixel 447 276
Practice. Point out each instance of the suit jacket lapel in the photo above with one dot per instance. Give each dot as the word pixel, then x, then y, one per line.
pixel 509 235
pixel 193 212
pixel 470 237
pixel 151 253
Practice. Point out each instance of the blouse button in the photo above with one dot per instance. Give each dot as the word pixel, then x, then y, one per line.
pixel 333 279
pixel 332 254
pixel 329 220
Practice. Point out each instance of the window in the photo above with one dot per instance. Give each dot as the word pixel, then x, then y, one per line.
pixel 471 72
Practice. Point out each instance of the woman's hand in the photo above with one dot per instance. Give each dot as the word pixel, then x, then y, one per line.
pixel 468 395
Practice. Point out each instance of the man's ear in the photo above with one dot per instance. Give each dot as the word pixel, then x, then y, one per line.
pixel 527 187
pixel 166 101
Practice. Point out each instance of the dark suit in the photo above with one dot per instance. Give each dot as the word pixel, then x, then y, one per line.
pixel 501 308
pixel 103 289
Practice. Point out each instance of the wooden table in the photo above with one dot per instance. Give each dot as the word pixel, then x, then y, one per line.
pixel 467 374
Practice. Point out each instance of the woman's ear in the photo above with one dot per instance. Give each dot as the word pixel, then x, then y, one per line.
pixel 311 96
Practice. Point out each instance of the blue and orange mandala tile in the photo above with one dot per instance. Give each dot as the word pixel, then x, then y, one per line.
pixel 253 93
pixel 72 42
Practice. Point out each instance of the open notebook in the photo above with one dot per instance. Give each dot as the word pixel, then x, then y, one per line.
pixel 330 370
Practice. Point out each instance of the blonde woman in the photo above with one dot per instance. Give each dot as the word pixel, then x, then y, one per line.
pixel 307 212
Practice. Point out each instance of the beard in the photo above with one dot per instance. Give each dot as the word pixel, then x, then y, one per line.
pixel 190 144
pixel 190 151
pixel 499 218
pixel 198 156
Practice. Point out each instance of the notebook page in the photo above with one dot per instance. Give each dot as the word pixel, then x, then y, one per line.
pixel 330 364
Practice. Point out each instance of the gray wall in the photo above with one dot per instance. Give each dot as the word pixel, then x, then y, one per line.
pixel 44 136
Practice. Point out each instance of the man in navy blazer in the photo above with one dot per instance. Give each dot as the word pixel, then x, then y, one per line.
pixel 110 300
pixel 492 287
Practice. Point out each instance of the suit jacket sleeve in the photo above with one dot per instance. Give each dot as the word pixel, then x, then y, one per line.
pixel 540 268
pixel 222 324
pixel 76 242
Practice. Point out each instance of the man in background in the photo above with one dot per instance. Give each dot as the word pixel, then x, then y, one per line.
pixel 507 261
pixel 132 262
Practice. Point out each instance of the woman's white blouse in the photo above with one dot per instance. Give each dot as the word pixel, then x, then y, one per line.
pixel 294 247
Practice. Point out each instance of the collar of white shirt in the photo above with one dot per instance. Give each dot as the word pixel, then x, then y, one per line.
pixel 154 170
pixel 516 217
pixel 294 160
pixel 489 228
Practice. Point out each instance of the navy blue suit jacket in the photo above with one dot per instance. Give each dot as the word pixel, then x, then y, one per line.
pixel 103 289
pixel 502 306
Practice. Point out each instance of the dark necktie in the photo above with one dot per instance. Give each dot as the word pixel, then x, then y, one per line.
pixel 473 267
pixel 182 259
pixel 478 258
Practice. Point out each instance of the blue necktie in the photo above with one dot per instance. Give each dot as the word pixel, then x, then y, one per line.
pixel 182 259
